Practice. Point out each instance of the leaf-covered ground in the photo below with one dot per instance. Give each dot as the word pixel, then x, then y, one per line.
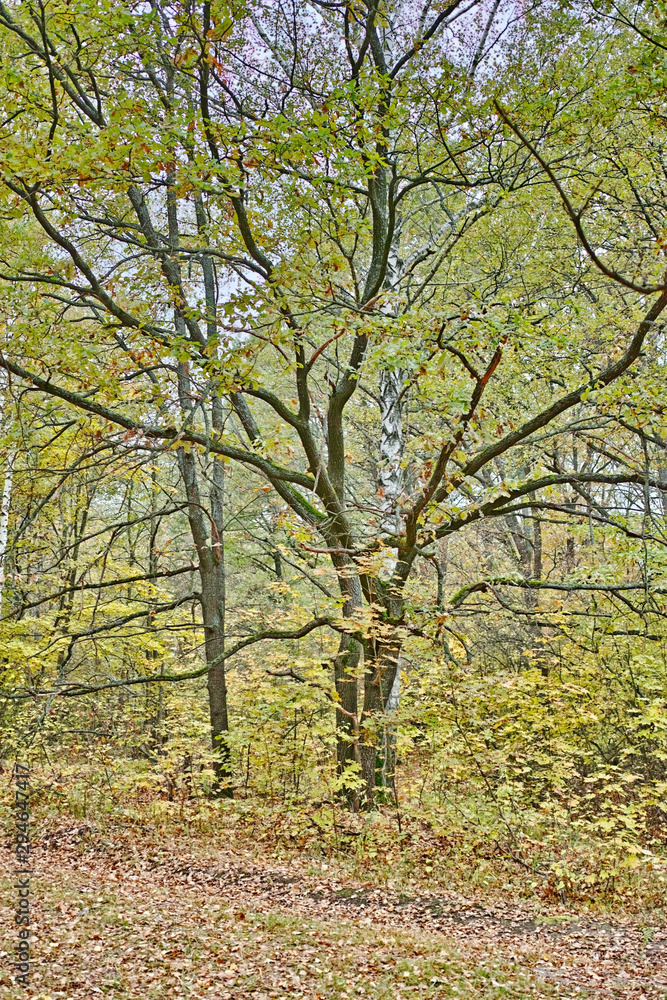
pixel 141 916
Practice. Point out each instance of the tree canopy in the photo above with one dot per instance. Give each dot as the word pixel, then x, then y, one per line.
pixel 334 362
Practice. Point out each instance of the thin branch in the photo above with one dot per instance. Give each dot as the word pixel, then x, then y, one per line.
pixel 76 690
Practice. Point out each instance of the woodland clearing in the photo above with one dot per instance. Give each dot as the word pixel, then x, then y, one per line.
pixel 133 913
pixel 333 498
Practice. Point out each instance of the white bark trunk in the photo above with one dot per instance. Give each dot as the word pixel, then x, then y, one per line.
pixel 390 473
pixel 391 450
pixel 5 510
pixel 394 698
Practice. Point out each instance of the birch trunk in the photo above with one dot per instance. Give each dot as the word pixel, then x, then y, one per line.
pixel 5 511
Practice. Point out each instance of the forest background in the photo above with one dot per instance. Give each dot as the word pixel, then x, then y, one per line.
pixel 334 470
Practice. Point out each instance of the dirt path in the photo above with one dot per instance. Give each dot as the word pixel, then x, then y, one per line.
pixel 139 921
pixel 608 960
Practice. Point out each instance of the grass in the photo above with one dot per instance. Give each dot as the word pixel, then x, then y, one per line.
pixel 115 916
pixel 147 941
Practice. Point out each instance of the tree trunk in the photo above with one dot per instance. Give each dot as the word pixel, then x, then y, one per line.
pixel 382 677
pixel 5 510
pixel 217 683
pixel 212 576
pixel 389 736
pixel 346 668
pixel 390 472
pixel 381 669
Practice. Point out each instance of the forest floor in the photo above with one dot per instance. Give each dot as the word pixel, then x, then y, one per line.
pixel 147 916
